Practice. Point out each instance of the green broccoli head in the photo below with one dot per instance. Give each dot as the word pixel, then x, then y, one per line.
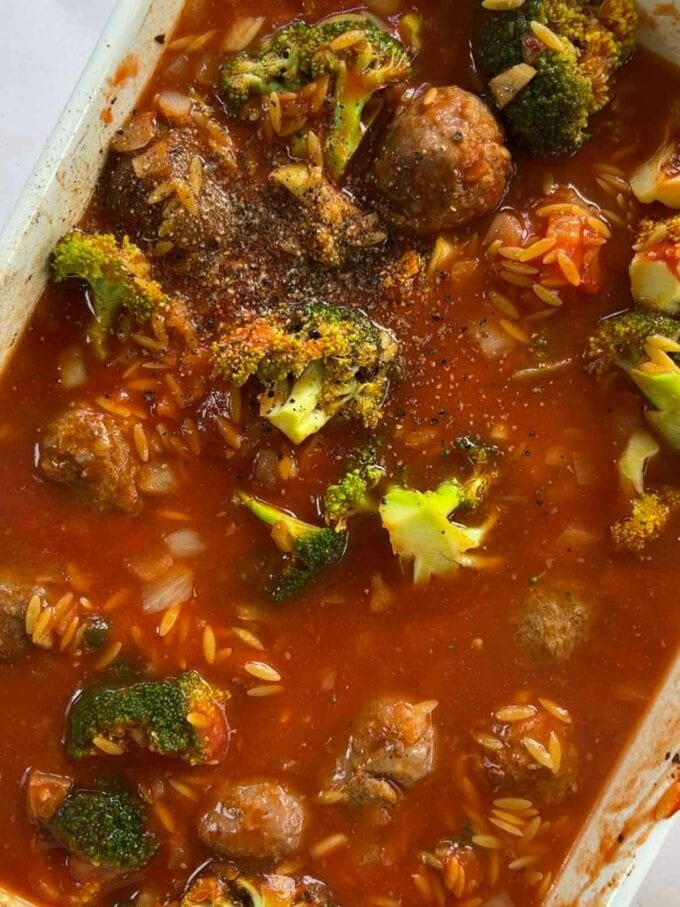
pixel 105 826
pixel 357 56
pixel 655 268
pixel 649 517
pixel 620 339
pixel 314 362
pixel 352 494
pixel 566 52
pixel 179 716
pixel 645 345
pixel 308 549
pixel 421 529
pixel 119 277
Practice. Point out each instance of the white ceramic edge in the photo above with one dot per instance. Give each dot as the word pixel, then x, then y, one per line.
pixel 61 184
pixel 57 195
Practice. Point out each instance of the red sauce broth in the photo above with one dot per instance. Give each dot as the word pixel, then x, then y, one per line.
pixel 452 640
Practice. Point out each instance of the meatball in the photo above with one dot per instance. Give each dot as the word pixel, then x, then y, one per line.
pixel 255 819
pixel 14 599
pixel 533 756
pixel 553 622
pixel 224 885
pixel 88 451
pixel 170 192
pixel 392 747
pixel 443 162
pixel 461 867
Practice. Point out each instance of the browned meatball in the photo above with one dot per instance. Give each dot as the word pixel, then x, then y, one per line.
pixel 256 819
pixel 461 867
pixel 14 599
pixel 443 162
pixel 554 621
pixel 170 192
pixel 392 747
pixel 534 757
pixel 88 451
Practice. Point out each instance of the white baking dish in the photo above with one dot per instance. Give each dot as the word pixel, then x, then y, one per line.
pixel 600 871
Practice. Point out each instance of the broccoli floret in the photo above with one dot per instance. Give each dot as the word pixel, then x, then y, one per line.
pixel 335 225
pixel 421 529
pixel 119 276
pixel 105 826
pixel 314 362
pixel 547 111
pixel 650 514
pixel 658 178
pixel 352 494
pixel 655 268
pixel 480 454
pixel 645 345
pixel 96 635
pixel 620 338
pixel 357 56
pixel 308 549
pixel 179 716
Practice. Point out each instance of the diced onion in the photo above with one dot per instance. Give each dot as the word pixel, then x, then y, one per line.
pixel 506 86
pixel 154 162
pixel 266 467
pixel 576 536
pixel 156 478
pixel 72 371
pixel 502 899
pixel 175 586
pixel 174 105
pixel 584 470
pixel 241 33
pixel 149 565
pixel 184 543
pixel 494 342
pixel 507 228
pixel 136 133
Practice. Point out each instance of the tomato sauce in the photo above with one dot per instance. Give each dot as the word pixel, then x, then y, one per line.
pixel 454 640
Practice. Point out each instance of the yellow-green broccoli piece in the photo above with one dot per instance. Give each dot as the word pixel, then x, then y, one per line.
pixel 119 277
pixel 650 514
pixel 547 84
pixel 179 716
pixel 645 344
pixel 649 511
pixel 641 448
pixel 655 268
pixel 353 493
pixel 351 49
pixel 308 550
pixel 422 529
pixel 314 362
pixel 658 178
pixel 105 826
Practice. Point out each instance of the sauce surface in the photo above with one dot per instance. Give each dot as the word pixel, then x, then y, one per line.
pixel 362 630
